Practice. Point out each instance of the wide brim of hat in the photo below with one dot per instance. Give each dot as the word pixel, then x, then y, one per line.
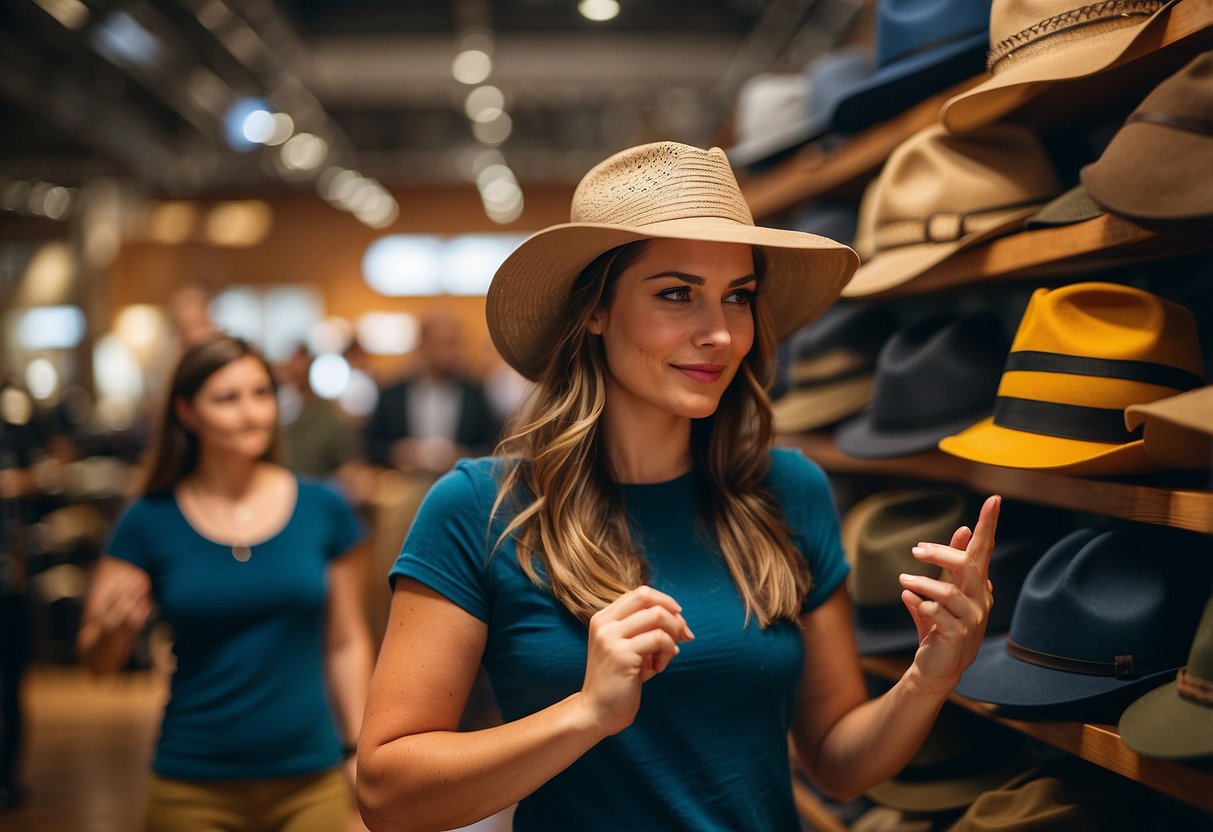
pixel 776 142
pixel 1074 206
pixel 899 85
pixel 860 438
pixel 1156 176
pixel 898 266
pixel 804 274
pixel 992 444
pixel 997 677
pixel 883 641
pixel 1163 724
pixel 949 792
pixel 801 410
pixel 1004 92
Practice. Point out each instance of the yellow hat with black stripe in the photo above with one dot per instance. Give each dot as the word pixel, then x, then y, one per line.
pixel 1082 354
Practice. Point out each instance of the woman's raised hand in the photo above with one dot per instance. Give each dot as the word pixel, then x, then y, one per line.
pixel 124 600
pixel 631 641
pixel 951 611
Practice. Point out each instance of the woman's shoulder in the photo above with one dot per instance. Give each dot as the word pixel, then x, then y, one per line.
pixel 791 468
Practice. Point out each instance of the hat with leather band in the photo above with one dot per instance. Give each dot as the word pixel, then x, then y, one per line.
pixel 921 48
pixel 825 80
pixel 1175 721
pixel 1101 616
pixel 1035 43
pixel 934 377
pixel 1082 354
pixel 1156 169
pixel 833 367
pixel 1177 431
pixel 940 194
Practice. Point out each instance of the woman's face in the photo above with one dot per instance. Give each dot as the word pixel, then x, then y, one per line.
pixel 677 327
pixel 235 411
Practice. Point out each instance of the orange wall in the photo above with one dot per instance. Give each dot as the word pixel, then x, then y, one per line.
pixel 313 243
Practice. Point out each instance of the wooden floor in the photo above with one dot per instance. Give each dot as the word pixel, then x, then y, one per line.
pixel 88 748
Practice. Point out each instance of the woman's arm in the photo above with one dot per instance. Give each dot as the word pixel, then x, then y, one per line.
pixel 415 771
pixel 849 744
pixel 117 607
pixel 348 649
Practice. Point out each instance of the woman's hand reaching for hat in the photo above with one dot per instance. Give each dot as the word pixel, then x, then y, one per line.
pixel 951 612
pixel 631 641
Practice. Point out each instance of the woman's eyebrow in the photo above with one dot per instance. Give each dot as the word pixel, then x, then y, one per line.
pixel 696 280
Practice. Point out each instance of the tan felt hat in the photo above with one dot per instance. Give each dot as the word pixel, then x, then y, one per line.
pixel 1036 43
pixel 654 191
pixel 1178 430
pixel 940 193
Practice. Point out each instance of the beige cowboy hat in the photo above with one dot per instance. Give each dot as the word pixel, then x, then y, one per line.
pixel 663 190
pixel 1178 430
pixel 940 193
pixel 1035 43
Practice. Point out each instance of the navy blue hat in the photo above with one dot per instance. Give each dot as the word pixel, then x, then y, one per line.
pixel 1102 617
pixel 934 378
pixel 829 78
pixel 922 47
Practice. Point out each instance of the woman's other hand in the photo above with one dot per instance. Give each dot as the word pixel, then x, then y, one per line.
pixel 951 611
pixel 631 641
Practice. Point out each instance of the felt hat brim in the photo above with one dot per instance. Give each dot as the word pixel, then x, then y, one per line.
pixel 897 266
pixel 1074 206
pixel 1165 725
pixel 860 438
pixel 804 274
pixel 1020 82
pixel 885 641
pixel 997 677
pixel 801 410
pixel 949 793
pixel 992 444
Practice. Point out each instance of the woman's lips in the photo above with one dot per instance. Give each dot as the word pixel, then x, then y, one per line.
pixel 705 373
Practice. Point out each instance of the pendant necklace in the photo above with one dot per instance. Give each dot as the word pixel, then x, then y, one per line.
pixel 242 514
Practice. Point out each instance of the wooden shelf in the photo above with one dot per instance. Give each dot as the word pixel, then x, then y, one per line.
pixel 1183 508
pixel 1098 744
pixel 813 173
pixel 1083 248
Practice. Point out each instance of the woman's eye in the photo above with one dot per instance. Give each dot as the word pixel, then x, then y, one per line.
pixel 742 297
pixel 681 294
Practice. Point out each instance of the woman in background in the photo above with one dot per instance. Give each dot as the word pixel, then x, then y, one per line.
pixel 259 575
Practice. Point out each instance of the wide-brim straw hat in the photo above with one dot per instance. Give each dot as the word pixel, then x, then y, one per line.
pixel 1084 353
pixel 663 190
pixel 939 194
pixel 1037 43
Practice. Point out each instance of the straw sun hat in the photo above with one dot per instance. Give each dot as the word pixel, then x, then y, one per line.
pixel 663 190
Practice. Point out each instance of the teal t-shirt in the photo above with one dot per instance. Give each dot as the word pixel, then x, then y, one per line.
pixel 248 696
pixel 708 749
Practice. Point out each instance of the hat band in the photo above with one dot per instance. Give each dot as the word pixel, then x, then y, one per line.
pixel 1122 667
pixel 1148 372
pixel 943 226
pixel 1077 24
pixel 1194 125
pixel 1068 421
pixel 1194 688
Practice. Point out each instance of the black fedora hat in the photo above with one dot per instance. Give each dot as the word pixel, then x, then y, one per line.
pixel 934 378
pixel 1102 617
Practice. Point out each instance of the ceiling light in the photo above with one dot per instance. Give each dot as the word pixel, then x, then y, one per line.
pixel 258 126
pixel 598 10
pixel 471 66
pixel 493 132
pixel 283 127
pixel 486 99
pixel 303 151
pixel 329 375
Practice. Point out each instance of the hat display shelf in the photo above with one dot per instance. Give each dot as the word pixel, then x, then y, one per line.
pixel 1067 254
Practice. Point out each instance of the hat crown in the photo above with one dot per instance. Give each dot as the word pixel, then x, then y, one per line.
pixel 907 27
pixel 1016 25
pixel 939 369
pixel 1188 93
pixel 771 101
pixel 659 182
pixel 1094 596
pixel 889 531
pixel 999 167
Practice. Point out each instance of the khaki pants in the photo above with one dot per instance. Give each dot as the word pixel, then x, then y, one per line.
pixel 307 803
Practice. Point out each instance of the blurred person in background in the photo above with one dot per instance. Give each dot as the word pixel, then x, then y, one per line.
pixel 316 440
pixel 189 310
pixel 436 414
pixel 258 572
pixel 16 486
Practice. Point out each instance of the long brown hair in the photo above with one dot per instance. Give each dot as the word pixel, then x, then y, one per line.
pixel 568 511
pixel 175 449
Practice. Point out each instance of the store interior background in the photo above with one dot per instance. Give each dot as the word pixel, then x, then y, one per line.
pixel 329 174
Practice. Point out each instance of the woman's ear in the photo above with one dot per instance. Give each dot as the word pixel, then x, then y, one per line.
pixel 595 324
pixel 184 413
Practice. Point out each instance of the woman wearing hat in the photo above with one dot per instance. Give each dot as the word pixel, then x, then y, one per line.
pixel 655 593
